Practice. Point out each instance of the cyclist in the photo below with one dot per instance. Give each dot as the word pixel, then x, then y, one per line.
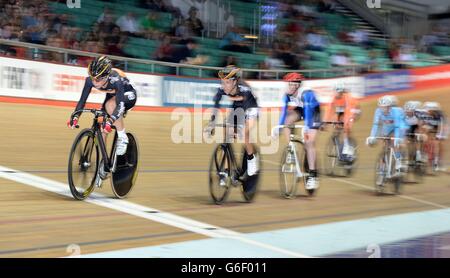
pixel 245 110
pixel 389 120
pixel 435 123
pixel 120 97
pixel 304 107
pixel 344 108
pixel 413 119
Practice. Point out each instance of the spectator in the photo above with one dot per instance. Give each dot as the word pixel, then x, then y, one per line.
pixel 316 40
pixel 34 26
pixel 228 60
pixel 156 5
pixel 165 50
pixel 128 23
pixel 286 54
pixel 107 25
pixel 183 5
pixel 230 38
pixel 114 42
pixel 273 63
pixel 195 25
pixel 148 25
pixel 228 21
pixel 185 54
pixel 326 6
pixel 182 31
pixel 406 56
pixel 107 12
pixel 341 59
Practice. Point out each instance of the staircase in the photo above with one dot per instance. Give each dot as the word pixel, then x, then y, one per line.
pixel 372 31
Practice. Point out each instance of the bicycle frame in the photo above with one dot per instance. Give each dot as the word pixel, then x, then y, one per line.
pixel 388 151
pixel 292 145
pixel 230 151
pixel 337 133
pixel 111 162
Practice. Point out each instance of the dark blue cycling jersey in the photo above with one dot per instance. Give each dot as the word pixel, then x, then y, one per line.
pixel 117 86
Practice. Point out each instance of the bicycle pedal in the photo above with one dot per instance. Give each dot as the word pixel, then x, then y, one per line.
pixel 98 181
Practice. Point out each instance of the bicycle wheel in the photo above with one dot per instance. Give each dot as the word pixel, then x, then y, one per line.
pixel 351 165
pixel 288 174
pixel 251 183
pixel 219 174
pixel 397 178
pixel 380 173
pixel 331 157
pixel 124 177
pixel 83 165
pixel 305 170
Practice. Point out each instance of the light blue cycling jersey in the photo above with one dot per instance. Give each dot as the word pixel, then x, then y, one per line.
pixel 306 105
pixel 393 122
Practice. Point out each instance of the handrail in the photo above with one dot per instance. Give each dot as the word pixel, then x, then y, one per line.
pixel 346 70
pixel 66 51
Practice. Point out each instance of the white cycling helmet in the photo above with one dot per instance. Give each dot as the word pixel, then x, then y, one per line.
pixel 394 100
pixel 340 88
pixel 386 101
pixel 431 106
pixel 412 105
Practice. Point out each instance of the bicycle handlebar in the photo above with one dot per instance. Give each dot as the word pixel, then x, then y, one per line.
pixel 96 112
pixel 385 138
pixel 227 125
pixel 333 123
pixel 286 126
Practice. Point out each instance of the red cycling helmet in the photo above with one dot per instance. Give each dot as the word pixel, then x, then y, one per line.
pixel 294 77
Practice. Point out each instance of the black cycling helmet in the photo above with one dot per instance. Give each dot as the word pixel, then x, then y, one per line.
pixel 230 72
pixel 100 67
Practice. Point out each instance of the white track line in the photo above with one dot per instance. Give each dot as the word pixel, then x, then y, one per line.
pixel 140 211
pixel 400 196
pixel 371 188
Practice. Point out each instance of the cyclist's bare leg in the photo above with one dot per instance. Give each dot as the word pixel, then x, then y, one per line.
pixel 310 140
pixel 290 119
pixel 110 105
pixel 249 124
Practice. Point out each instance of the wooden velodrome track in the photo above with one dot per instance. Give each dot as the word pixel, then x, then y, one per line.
pixel 173 178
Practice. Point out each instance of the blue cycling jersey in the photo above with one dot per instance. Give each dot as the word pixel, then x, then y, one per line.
pixel 394 121
pixel 306 103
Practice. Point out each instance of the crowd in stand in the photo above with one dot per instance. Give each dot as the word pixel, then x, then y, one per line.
pixel 33 21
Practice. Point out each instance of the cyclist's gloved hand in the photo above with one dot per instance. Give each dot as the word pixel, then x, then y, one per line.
pixel 371 141
pixel 441 137
pixel 397 142
pixel 108 127
pixel 422 137
pixel 209 129
pixel 276 133
pixel 72 122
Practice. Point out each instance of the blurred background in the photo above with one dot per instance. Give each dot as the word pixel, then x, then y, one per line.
pixel 258 34
pixel 171 51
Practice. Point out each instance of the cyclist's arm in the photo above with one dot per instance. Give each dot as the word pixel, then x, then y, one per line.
pixel 216 101
pixel 310 103
pixel 284 109
pixel 399 123
pixel 84 95
pixel 376 122
pixel 442 129
pixel 329 114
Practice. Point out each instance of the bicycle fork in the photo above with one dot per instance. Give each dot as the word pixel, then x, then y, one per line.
pixel 293 150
